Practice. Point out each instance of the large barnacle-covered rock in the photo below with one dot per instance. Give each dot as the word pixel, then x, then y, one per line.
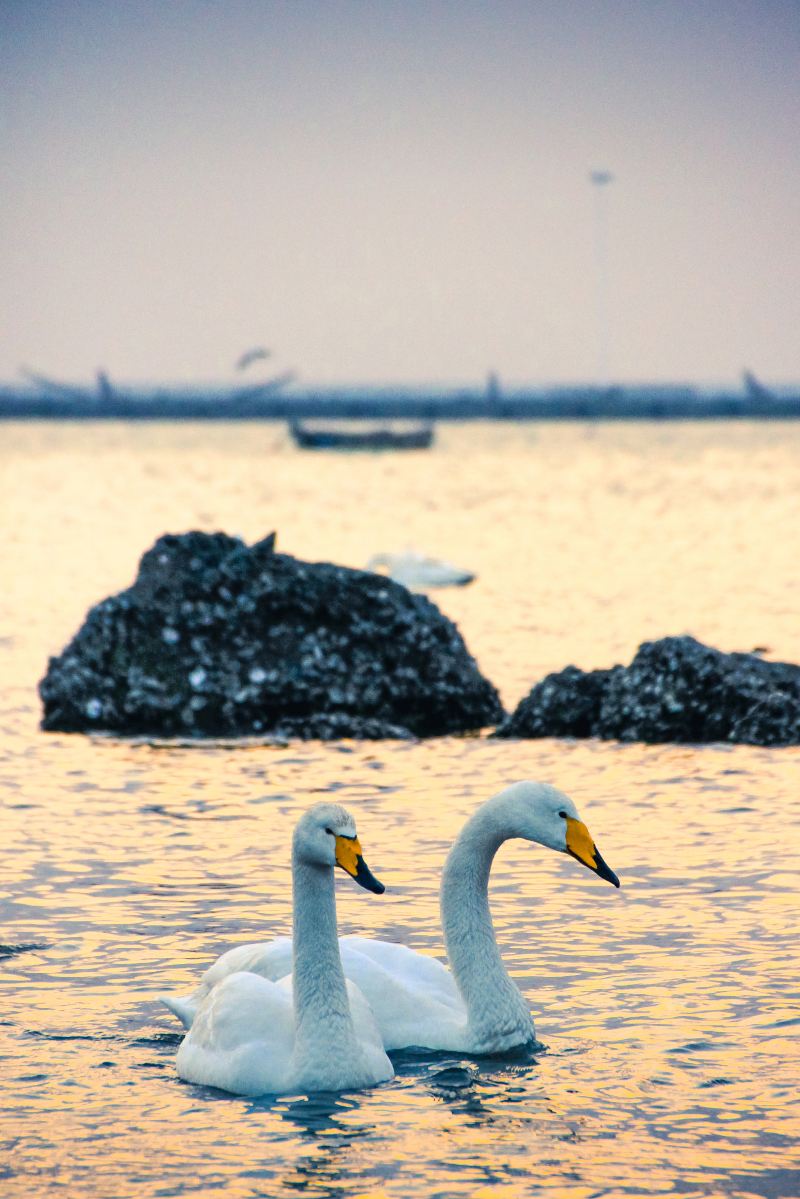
pixel 218 638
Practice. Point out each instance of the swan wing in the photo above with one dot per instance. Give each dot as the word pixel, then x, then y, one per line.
pixel 242 1037
pixel 270 959
pixel 377 1066
pixel 407 965
pixel 364 1022
pixel 413 998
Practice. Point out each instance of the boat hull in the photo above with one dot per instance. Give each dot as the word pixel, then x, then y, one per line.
pixel 382 438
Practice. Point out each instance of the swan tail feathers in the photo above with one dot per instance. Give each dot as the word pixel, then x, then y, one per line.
pixel 183 1006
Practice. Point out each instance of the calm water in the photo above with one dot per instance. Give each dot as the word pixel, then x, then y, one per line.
pixel 670 1009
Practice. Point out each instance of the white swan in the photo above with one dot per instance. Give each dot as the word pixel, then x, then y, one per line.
pixel 416 1000
pixel 419 573
pixel 307 1030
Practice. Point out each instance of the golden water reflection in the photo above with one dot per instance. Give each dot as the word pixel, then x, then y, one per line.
pixel 670 1009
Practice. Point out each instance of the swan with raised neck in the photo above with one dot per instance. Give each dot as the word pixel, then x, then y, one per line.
pixel 498 1016
pixel 252 1035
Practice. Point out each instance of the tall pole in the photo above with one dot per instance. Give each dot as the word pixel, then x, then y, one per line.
pixel 600 181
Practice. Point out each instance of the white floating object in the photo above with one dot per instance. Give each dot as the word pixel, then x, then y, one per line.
pixel 418 572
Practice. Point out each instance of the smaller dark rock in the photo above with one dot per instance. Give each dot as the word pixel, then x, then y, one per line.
pixel 675 690
pixel 562 705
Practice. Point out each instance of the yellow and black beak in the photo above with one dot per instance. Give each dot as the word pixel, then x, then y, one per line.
pixel 348 856
pixel 581 846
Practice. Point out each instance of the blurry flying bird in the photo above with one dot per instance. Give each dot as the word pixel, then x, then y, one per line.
pixel 250 356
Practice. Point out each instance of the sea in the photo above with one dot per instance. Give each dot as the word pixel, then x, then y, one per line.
pixel 669 1010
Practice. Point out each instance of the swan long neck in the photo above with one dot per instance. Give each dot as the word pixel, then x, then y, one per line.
pixel 493 1002
pixel 323 1023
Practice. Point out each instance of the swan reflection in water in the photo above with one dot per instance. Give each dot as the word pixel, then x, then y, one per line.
pixel 483 1094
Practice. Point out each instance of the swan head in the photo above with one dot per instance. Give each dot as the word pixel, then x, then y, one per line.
pixel 541 813
pixel 326 836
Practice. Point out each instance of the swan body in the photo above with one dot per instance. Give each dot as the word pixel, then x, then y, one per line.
pixel 392 977
pixel 418 572
pixel 474 1007
pixel 301 1026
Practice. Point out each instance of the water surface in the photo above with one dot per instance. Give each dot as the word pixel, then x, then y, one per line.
pixel 670 1009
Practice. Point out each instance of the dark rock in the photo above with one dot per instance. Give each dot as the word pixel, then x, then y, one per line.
pixel 675 690
pixel 217 638
pixel 336 725
pixel 562 705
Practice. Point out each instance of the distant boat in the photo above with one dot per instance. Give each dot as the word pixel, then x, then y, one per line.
pixel 418 572
pixel 381 437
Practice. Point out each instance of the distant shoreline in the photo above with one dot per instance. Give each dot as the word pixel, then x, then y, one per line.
pixel 614 403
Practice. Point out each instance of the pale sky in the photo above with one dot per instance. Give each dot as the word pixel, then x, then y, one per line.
pixel 397 190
